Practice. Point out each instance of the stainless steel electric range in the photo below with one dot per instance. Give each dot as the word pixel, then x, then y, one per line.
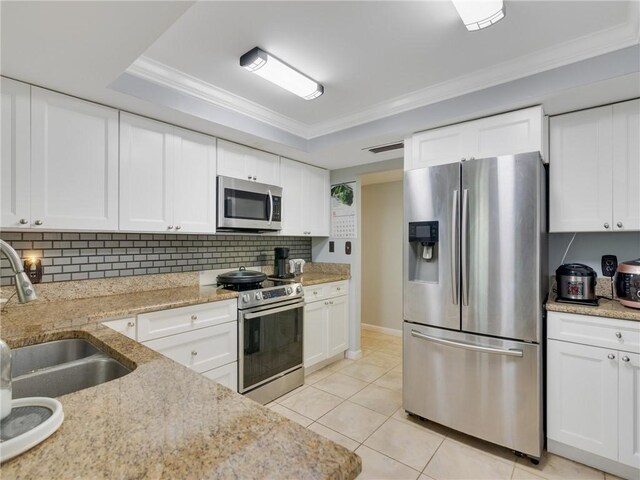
pixel 270 322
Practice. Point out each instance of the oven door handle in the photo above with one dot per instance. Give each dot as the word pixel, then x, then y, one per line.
pixel 249 316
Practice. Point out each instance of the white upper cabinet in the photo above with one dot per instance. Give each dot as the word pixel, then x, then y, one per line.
pixel 146 174
pixel 74 163
pixel 580 172
pixel 594 169
pixel 506 134
pixel 246 163
pixel 305 203
pixel 626 166
pixel 16 156
pixel 195 182
pixel 167 178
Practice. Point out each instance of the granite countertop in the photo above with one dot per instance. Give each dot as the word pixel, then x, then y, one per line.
pixel 162 420
pixel 606 308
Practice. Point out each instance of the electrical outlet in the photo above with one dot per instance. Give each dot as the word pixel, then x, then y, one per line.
pixel 332 246
pixel 609 265
pixel 347 248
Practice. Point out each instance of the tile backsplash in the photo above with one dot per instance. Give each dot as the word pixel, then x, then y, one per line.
pixel 81 256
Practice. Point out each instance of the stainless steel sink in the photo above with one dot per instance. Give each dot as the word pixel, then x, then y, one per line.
pixel 63 366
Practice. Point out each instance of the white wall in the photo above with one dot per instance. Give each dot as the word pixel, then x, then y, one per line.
pixel 320 246
pixel 382 228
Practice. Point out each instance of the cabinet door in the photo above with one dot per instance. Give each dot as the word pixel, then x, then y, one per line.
pixel 15 161
pixel 293 195
pixel 203 349
pixel 147 150
pixel 74 163
pixel 582 403
pixel 265 167
pixel 507 134
pixel 626 166
pixel 125 326
pixel 194 194
pixel 226 375
pixel 315 333
pixel 439 146
pixel 629 409
pixel 234 160
pixel 338 317
pixel 580 166
pixel 316 191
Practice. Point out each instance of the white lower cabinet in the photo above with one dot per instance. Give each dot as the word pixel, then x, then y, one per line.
pixel 226 375
pixel 593 391
pixel 202 349
pixel 326 319
pixel 125 326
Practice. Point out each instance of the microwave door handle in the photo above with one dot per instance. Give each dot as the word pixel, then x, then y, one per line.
pixel 270 207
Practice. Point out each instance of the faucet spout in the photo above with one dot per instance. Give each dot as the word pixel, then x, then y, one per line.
pixel 24 288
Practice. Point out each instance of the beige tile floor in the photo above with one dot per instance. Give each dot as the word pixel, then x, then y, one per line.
pixel 358 404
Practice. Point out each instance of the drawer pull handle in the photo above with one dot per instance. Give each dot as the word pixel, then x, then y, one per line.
pixel 194 353
pixel 194 317
pixel 611 356
pixel 131 324
pixel 618 335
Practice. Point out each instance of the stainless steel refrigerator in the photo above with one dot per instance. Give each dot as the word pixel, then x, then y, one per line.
pixel 474 287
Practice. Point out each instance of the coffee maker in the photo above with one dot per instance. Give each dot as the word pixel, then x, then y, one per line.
pixel 280 263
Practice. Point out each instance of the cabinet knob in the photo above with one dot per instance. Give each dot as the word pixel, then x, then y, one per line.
pixel 625 359
pixel 23 221
pixel 170 227
pixel 38 222
pixel 611 356
pixel 249 177
pixel 194 353
pixel 131 324
pixel 194 317
pixel 619 224
pixel 178 227
pixel 338 288
pixel 326 303
pixel 315 293
pixel 255 178
pixel 606 225
pixel 618 335
pixel 331 302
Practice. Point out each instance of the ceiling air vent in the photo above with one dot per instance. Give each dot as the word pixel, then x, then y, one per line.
pixel 386 148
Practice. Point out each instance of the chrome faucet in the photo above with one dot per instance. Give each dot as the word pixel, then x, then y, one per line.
pixel 25 290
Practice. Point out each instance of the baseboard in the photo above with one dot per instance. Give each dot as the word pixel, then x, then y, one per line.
pixel 353 354
pixel 376 328
pixel 324 363
pixel 593 460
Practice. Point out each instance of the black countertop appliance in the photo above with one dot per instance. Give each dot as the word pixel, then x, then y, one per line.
pixel 281 264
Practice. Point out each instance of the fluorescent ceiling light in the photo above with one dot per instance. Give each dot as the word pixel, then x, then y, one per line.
pixel 276 71
pixel 477 14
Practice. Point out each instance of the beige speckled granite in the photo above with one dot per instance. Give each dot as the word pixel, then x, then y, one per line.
pixel 315 278
pixel 330 268
pixel 606 308
pixel 162 420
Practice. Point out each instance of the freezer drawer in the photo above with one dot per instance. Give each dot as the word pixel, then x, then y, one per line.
pixel 485 387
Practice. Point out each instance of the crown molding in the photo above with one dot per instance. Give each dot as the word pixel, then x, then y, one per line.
pixel 157 72
pixel 582 48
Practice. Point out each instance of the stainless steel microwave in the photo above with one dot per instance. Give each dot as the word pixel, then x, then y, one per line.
pixel 247 205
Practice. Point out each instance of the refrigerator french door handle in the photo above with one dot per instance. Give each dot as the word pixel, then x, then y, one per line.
pixel 512 352
pixel 454 247
pixel 464 255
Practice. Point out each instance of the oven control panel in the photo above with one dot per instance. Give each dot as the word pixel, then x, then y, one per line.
pixel 270 295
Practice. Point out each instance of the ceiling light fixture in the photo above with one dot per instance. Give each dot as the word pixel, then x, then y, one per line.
pixel 478 14
pixel 276 71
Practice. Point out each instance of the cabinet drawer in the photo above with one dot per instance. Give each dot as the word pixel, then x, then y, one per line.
pixel 623 335
pixel 337 289
pixel 125 326
pixel 177 320
pixel 202 349
pixel 314 292
pixel 226 375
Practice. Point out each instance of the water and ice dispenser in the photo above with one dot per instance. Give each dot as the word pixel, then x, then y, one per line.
pixel 423 251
